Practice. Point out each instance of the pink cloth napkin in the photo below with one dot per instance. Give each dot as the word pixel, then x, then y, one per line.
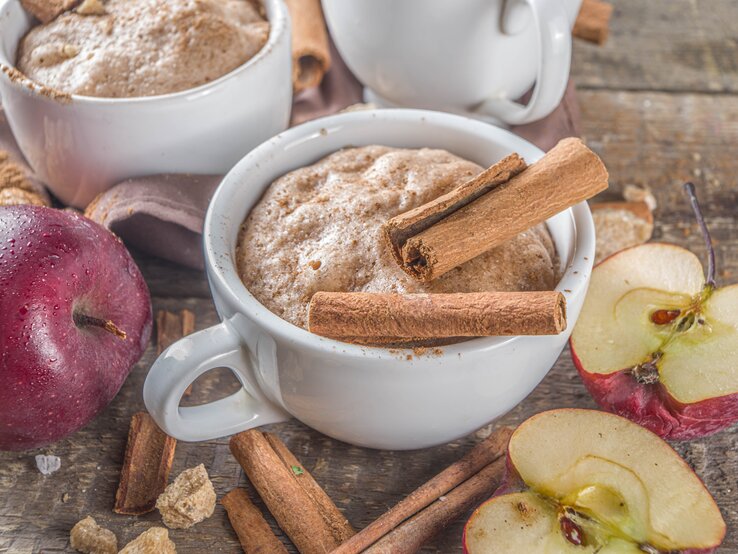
pixel 163 215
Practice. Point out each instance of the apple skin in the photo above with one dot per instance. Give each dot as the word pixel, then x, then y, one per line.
pixel 654 408
pixel 56 376
pixel 512 482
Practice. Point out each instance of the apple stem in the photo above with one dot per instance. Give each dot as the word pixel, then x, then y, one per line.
pixel 84 320
pixel 689 188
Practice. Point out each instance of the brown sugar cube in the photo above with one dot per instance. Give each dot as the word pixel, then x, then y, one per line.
pixel 154 541
pixel 88 537
pixel 188 500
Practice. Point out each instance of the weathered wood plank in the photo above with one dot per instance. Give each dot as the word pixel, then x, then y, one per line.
pixel 670 45
pixel 661 140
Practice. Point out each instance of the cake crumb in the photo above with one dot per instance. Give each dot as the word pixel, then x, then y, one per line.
pixel 153 541
pixel 188 500
pixel 91 7
pixel 88 537
pixel 633 193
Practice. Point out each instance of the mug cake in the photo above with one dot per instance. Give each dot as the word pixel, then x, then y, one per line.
pixel 318 228
pixel 133 48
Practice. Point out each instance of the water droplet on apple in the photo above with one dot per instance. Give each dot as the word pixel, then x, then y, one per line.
pixel 23 310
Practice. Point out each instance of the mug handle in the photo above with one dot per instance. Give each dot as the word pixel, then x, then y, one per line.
pixel 183 362
pixel 554 46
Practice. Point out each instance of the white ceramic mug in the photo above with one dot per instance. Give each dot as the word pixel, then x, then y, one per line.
pixel 82 146
pixel 373 397
pixel 474 56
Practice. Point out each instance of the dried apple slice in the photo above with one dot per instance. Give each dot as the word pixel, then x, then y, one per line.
pixel 593 482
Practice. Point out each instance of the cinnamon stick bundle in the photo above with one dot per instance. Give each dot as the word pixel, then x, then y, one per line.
pixel 302 509
pixel 146 466
pixel 311 57
pixel 409 537
pixel 593 22
pixel 252 529
pixel 478 464
pixel 363 315
pixel 441 235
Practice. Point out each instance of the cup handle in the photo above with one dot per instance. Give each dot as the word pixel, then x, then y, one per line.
pixel 183 362
pixel 554 45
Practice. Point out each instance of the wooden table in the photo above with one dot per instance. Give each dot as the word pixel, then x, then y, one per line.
pixel 659 103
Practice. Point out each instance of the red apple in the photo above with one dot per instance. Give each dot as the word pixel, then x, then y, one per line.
pixel 583 481
pixel 658 343
pixel 75 315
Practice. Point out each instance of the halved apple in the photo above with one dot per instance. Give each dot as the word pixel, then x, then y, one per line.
pixel 658 345
pixel 657 342
pixel 584 481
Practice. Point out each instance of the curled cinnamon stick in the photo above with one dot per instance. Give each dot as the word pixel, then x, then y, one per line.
pixel 437 237
pixel 481 456
pixel 311 56
pixel 593 22
pixel 342 315
pixel 253 531
pixel 145 472
pixel 300 506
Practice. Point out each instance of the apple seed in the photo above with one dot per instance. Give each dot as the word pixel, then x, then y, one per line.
pixel 571 531
pixel 663 317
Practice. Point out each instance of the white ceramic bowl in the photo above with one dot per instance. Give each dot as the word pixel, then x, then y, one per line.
pixel 373 397
pixel 84 145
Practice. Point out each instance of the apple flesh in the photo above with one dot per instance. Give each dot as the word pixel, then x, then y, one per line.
pixel 658 345
pixel 75 315
pixel 584 481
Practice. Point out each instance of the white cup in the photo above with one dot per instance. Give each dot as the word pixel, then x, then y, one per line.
pixel 464 56
pixel 82 146
pixel 373 397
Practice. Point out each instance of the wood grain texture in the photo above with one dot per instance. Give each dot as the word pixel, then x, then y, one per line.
pixel 668 45
pixel 650 138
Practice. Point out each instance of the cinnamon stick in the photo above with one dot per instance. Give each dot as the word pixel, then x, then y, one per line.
pixel 481 456
pixel 399 229
pixel 340 527
pixel 363 315
pixel 311 57
pixel 254 533
pixel 568 174
pixel 409 537
pixel 307 516
pixel 171 327
pixel 48 10
pixel 145 473
pixel 593 22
